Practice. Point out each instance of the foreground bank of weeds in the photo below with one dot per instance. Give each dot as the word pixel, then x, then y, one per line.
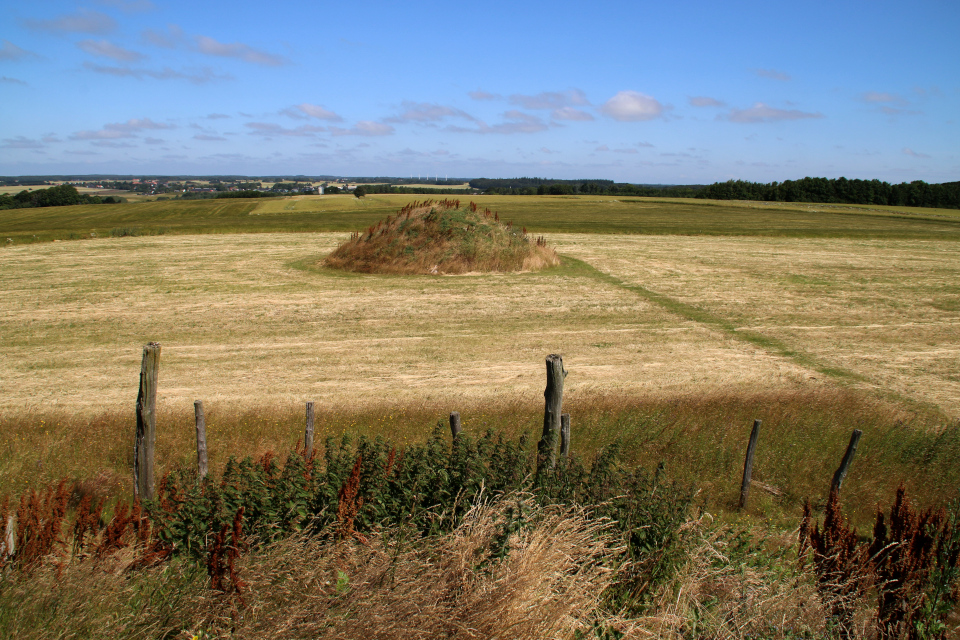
pixel 701 439
pixel 457 540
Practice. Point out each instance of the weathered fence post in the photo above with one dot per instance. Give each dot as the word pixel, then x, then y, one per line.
pixel 143 451
pixel 201 439
pixel 564 435
pixel 308 433
pixel 748 464
pixel 553 404
pixel 455 427
pixel 847 460
pixel 10 538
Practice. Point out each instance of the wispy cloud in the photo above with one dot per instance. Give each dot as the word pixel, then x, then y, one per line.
pixel 10 51
pixel 479 94
pixel 129 6
pixel 239 50
pixel 82 21
pixel 551 99
pixel 772 74
pixel 364 128
pixel 515 121
pixel 13 81
pixel 199 76
pixel 21 142
pixel 109 50
pixel 704 101
pixel 632 106
pixel 270 129
pixel 217 116
pixel 209 138
pixel 882 97
pixel 761 112
pixel 116 130
pixel 306 110
pixel 914 154
pixel 570 113
pixel 425 112
pixel 169 40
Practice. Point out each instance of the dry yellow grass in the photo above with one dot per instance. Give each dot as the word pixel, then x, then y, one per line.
pixel 888 311
pixel 239 324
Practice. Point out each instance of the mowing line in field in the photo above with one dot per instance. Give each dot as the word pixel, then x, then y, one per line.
pixel 696 314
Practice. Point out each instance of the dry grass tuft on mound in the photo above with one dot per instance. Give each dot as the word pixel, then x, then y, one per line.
pixel 441 237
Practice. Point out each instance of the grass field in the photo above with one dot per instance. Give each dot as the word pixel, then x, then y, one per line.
pixel 674 317
pixel 540 214
pixel 680 322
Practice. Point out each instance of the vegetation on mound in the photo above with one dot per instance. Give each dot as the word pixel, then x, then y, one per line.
pixel 440 237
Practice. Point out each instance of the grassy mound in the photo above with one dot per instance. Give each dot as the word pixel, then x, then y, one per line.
pixel 437 237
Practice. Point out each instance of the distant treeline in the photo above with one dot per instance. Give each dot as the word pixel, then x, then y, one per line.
pixel 386 188
pixel 244 194
pixel 544 186
pixel 839 190
pixel 53 197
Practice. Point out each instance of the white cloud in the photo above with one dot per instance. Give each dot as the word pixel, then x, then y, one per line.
pixel 238 50
pixel 364 128
pixel 704 101
pixel 761 112
pixel 109 50
pixel 632 106
pixel 772 74
pixel 208 137
pixel 83 21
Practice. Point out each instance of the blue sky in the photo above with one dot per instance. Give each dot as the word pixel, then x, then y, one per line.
pixel 681 92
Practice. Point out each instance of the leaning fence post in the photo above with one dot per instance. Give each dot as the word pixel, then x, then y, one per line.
pixel 308 433
pixel 553 403
pixel 455 427
pixel 841 472
pixel 146 437
pixel 748 464
pixel 564 435
pixel 201 439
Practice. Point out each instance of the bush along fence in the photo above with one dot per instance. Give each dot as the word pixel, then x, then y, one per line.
pixel 350 489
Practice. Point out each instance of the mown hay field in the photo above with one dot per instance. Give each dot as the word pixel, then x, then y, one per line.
pixel 816 317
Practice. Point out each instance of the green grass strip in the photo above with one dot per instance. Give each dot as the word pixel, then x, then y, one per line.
pixel 693 313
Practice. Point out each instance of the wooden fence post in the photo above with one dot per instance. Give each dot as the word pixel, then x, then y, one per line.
pixel 564 435
pixel 841 472
pixel 553 404
pixel 10 537
pixel 748 464
pixel 146 437
pixel 308 433
pixel 201 439
pixel 455 427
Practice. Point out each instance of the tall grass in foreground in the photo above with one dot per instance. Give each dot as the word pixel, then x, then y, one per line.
pixel 700 439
